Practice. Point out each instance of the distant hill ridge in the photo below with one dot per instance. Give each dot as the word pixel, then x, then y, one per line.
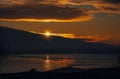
pixel 13 41
pixel 66 73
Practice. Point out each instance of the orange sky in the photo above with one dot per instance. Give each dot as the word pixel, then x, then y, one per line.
pixel 94 19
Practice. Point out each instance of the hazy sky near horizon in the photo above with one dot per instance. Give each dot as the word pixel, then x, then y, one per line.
pixel 93 19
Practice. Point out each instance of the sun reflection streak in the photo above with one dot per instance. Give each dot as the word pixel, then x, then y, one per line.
pixel 47 64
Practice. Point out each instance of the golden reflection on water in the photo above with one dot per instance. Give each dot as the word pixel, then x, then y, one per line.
pixel 47 63
pixel 50 63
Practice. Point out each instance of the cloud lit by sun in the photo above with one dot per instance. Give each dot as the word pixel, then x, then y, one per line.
pixel 89 38
pixel 59 10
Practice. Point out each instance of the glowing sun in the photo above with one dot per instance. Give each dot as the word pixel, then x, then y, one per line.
pixel 47 34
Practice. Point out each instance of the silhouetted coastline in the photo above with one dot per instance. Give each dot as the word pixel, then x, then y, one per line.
pixel 15 41
pixel 66 73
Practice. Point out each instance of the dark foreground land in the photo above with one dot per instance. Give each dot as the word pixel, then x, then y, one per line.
pixel 66 73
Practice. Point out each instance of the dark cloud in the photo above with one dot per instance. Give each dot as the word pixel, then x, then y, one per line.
pixel 56 10
pixel 113 1
pixel 42 11
pixel 108 6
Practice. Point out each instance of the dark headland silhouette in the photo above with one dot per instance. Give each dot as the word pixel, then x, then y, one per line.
pixel 62 73
pixel 14 41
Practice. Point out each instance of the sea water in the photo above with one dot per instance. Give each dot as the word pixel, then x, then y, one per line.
pixel 46 62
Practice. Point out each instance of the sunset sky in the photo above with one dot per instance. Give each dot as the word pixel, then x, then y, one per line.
pixel 98 20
